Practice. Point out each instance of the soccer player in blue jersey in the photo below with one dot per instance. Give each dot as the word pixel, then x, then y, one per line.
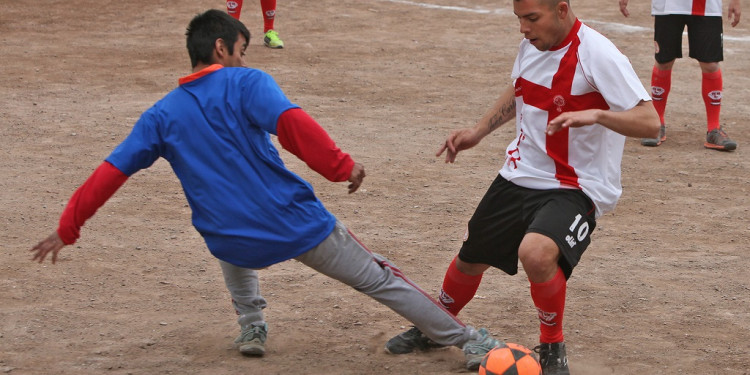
pixel 214 130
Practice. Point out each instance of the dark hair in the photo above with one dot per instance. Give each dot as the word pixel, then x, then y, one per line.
pixel 551 4
pixel 205 28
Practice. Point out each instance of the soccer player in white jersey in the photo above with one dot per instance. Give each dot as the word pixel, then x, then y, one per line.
pixel 705 38
pixel 575 98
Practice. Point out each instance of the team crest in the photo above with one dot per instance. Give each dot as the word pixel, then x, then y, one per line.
pixel 559 101
pixel 232 5
pixel 715 97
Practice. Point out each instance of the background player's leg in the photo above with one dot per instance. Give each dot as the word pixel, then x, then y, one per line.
pixel 711 91
pixel 234 8
pixel 661 84
pixel 270 36
pixel 269 14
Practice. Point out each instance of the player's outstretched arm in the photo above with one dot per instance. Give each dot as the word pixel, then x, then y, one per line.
pixel 52 244
pixel 84 203
pixel 462 139
pixel 640 121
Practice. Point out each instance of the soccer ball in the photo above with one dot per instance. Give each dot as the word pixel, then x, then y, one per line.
pixel 510 359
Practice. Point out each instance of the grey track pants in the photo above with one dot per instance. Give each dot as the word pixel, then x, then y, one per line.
pixel 244 288
pixel 341 257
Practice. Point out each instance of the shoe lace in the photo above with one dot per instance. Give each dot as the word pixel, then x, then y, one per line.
pixel 549 357
pixel 483 344
pixel 254 332
pixel 718 136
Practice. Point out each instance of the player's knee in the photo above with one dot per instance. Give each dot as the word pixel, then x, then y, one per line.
pixel 538 262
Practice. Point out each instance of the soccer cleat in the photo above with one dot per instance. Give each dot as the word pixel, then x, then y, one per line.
pixel 272 40
pixel 477 347
pixel 553 359
pixel 717 139
pixel 252 340
pixel 653 142
pixel 408 341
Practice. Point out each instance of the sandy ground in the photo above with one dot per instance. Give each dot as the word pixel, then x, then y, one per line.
pixel 663 289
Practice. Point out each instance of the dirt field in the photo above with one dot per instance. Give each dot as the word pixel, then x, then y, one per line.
pixel 663 289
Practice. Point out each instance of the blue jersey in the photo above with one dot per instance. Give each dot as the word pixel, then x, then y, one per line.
pixel 214 131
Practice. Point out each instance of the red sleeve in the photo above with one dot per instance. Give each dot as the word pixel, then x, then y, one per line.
pixel 301 135
pixel 97 189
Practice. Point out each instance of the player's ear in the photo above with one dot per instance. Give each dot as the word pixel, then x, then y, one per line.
pixel 220 51
pixel 562 9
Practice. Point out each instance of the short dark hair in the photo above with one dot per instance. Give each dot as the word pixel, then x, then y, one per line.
pixel 205 28
pixel 552 3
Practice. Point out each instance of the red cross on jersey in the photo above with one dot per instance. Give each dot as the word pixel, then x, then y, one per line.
pixel 585 71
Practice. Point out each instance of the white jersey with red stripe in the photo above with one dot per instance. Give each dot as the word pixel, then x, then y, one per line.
pixel 586 71
pixel 694 7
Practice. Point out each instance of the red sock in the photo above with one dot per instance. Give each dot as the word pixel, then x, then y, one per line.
pixel 549 298
pixel 661 83
pixel 711 90
pixel 234 7
pixel 458 288
pixel 269 12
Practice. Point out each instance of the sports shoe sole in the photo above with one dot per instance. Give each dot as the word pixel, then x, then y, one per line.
pixel 653 142
pixel 712 146
pixel 253 350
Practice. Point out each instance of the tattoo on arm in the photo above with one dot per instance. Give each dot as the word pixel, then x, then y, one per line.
pixel 506 112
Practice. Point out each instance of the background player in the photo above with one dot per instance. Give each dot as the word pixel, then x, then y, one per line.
pixel 705 34
pixel 268 7
pixel 252 212
pixel 575 98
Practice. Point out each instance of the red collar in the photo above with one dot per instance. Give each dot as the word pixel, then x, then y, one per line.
pixel 569 38
pixel 203 72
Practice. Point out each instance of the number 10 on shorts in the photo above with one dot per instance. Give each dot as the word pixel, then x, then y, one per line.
pixel 579 231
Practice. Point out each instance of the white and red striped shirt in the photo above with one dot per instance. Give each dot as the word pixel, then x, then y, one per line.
pixel 586 71
pixel 694 7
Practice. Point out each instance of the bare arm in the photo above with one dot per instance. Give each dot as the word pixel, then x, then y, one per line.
pixel 624 8
pixel 640 121
pixel 462 139
pixel 734 12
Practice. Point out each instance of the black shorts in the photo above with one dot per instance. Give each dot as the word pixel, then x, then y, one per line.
pixel 705 39
pixel 507 212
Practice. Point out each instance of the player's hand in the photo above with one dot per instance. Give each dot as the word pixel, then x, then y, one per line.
pixel 356 177
pixel 573 120
pixel 734 12
pixel 51 244
pixel 624 8
pixel 458 140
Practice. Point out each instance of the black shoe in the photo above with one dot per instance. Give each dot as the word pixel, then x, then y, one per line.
pixel 553 359
pixel 410 340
